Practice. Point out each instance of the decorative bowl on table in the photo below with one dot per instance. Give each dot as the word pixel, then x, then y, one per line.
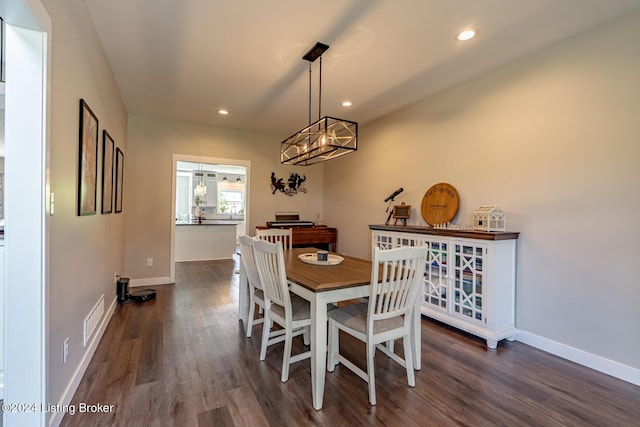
pixel 312 258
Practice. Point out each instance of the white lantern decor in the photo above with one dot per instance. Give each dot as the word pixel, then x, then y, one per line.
pixel 489 218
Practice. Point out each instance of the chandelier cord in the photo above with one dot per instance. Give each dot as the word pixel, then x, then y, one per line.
pixel 320 90
pixel 309 93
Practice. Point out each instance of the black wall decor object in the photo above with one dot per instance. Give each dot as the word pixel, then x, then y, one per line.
pixel 294 184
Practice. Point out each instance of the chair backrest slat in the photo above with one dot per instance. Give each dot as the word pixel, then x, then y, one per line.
pixel 248 260
pixel 270 263
pixel 284 236
pixel 396 280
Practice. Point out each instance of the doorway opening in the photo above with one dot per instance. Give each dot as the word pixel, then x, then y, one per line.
pixel 210 192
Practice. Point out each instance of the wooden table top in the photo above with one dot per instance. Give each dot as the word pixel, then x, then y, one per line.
pixel 318 278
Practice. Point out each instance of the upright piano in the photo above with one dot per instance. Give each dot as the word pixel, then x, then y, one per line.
pixel 305 233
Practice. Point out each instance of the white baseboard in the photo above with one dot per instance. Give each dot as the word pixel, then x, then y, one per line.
pixel 150 281
pixel 92 345
pixel 581 357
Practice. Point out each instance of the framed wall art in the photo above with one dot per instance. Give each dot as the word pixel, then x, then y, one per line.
pixel 119 179
pixel 88 161
pixel 1 49
pixel 107 173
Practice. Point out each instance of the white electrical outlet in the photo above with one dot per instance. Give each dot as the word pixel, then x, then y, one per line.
pixel 149 262
pixel 65 350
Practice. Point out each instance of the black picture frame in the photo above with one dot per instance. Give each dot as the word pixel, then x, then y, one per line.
pixel 119 179
pixel 1 50
pixel 107 172
pixel 87 161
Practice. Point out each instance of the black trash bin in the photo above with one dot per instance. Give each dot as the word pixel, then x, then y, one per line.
pixel 122 289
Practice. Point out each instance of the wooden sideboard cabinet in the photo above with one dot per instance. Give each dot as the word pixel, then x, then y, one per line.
pixel 469 278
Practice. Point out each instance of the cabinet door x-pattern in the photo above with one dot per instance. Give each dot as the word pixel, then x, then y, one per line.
pixel 436 276
pixel 468 281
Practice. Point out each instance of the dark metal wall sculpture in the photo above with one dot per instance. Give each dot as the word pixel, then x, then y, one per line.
pixel 294 184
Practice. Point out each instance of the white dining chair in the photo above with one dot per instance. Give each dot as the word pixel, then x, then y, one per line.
pixel 289 311
pixel 283 236
pixel 256 295
pixel 396 280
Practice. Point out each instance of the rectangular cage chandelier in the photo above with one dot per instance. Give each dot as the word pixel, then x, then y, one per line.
pixel 325 139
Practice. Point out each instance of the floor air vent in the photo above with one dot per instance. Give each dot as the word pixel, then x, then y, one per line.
pixel 92 320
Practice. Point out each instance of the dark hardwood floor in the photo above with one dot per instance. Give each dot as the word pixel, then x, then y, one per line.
pixel 183 360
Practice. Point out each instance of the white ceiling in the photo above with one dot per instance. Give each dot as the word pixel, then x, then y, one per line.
pixel 186 59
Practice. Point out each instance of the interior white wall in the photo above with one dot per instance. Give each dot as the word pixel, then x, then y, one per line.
pixel 553 140
pixel 148 195
pixel 85 251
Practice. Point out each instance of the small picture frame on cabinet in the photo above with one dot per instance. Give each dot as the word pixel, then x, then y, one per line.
pixel 401 212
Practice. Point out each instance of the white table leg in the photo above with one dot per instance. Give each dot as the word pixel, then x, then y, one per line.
pixel 243 294
pixel 319 302
pixel 416 331
pixel 318 349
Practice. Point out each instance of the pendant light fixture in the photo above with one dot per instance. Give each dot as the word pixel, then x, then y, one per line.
pixel 325 139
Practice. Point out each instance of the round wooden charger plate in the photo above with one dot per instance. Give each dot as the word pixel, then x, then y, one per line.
pixel 440 204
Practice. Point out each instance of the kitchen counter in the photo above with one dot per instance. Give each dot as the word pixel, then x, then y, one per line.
pixel 212 222
pixel 213 239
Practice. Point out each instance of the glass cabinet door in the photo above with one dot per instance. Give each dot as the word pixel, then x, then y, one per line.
pixel 468 283
pixel 436 274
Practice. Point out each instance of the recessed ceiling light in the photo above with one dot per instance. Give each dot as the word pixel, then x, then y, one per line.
pixel 223 112
pixel 466 35
pixel 347 103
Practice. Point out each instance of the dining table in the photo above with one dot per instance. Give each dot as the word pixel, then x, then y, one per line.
pixel 325 285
